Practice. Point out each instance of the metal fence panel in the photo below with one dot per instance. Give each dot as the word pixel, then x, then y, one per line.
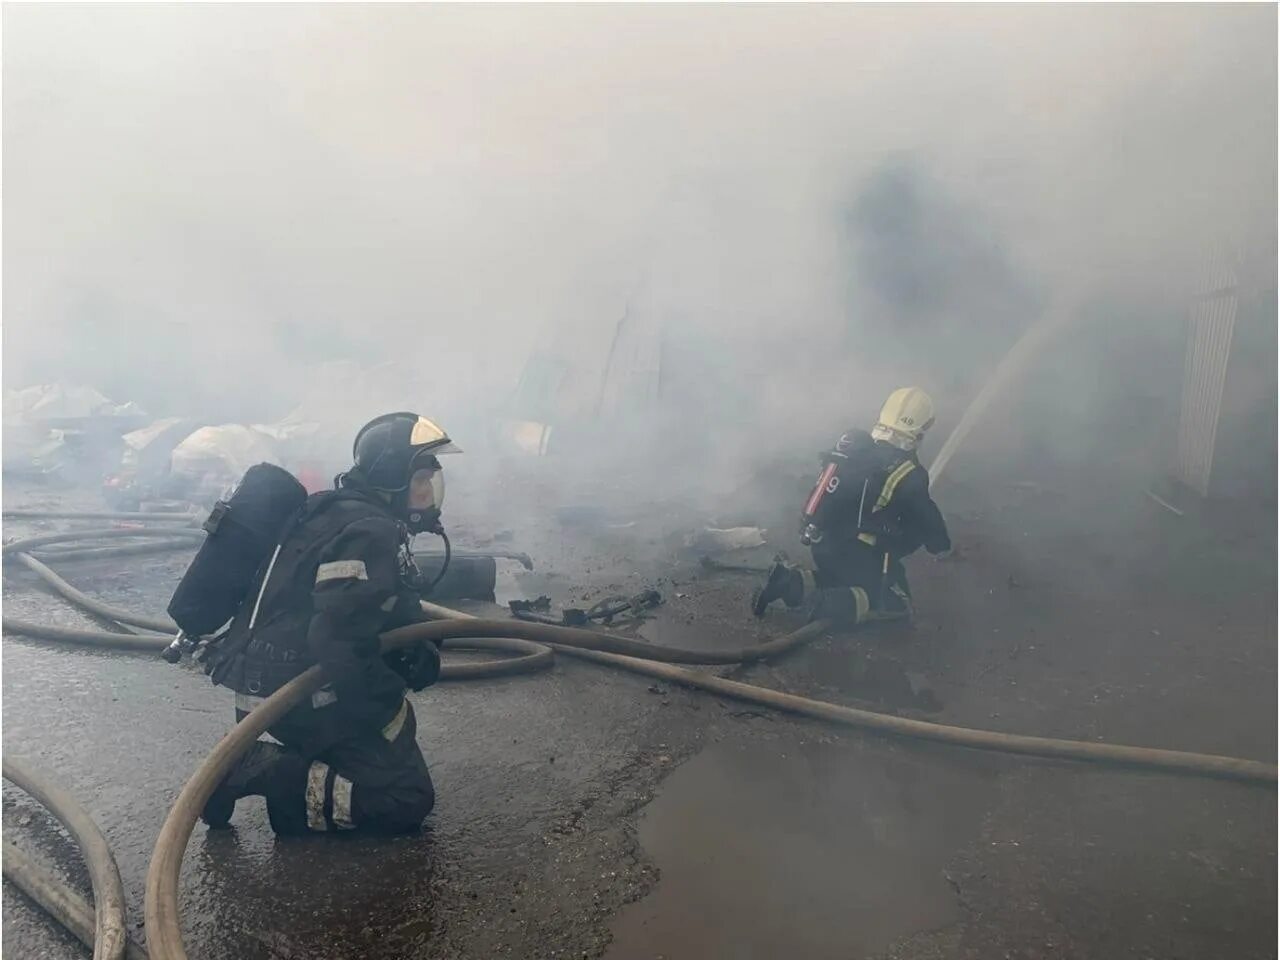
pixel 1209 333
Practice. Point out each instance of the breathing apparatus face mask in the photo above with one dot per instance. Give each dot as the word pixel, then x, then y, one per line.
pixel 425 496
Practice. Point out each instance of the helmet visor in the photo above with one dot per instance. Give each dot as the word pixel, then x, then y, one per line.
pixel 426 488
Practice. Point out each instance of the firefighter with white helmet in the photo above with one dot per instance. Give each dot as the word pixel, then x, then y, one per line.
pixel 869 509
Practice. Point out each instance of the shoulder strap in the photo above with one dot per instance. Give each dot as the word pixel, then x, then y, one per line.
pixel 891 482
pixel 313 506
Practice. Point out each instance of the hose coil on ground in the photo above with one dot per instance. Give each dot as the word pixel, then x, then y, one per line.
pixel 534 644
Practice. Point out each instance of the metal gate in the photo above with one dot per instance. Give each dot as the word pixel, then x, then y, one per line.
pixel 1209 331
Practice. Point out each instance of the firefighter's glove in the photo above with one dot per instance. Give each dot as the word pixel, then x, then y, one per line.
pixel 417 664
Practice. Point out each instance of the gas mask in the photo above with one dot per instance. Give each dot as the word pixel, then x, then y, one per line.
pixel 424 497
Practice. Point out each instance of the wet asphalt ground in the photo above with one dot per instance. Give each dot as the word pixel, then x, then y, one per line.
pixel 586 813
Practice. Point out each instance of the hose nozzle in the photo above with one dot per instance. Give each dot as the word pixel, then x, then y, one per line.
pixel 182 645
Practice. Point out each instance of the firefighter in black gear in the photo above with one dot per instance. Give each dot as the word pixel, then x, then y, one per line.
pixel 869 509
pixel 342 574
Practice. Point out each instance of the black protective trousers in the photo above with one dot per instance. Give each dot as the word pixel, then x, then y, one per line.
pixel 853 584
pixel 374 782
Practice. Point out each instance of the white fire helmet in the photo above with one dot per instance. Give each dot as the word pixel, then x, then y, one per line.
pixel 904 418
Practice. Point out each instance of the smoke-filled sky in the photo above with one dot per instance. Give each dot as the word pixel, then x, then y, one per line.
pixel 201 201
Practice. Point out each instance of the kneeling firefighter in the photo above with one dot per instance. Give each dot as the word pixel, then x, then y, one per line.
pixel 869 509
pixel 340 574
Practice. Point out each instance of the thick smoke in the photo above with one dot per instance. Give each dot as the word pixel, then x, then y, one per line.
pixel 795 208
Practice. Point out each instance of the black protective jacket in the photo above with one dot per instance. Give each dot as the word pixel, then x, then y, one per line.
pixel 340 578
pixel 873 498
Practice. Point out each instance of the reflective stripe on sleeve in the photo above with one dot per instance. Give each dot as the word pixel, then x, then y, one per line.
pixel 341 570
pixel 891 484
pixel 392 729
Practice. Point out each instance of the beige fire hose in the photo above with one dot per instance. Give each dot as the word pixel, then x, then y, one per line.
pixel 115 533
pixel 1170 761
pixel 462 630
pixel 161 906
pixel 191 517
pixel 57 899
pixel 526 658
pixel 97 607
pixel 110 936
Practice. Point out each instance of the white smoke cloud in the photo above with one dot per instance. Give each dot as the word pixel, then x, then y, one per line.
pixel 201 201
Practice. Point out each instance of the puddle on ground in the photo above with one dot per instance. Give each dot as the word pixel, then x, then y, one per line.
pixel 776 850
pixel 865 670
pixel 884 681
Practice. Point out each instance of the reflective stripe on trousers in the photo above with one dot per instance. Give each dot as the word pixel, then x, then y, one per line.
pixel 328 797
pixel 807 578
pixel 317 784
pixel 861 603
